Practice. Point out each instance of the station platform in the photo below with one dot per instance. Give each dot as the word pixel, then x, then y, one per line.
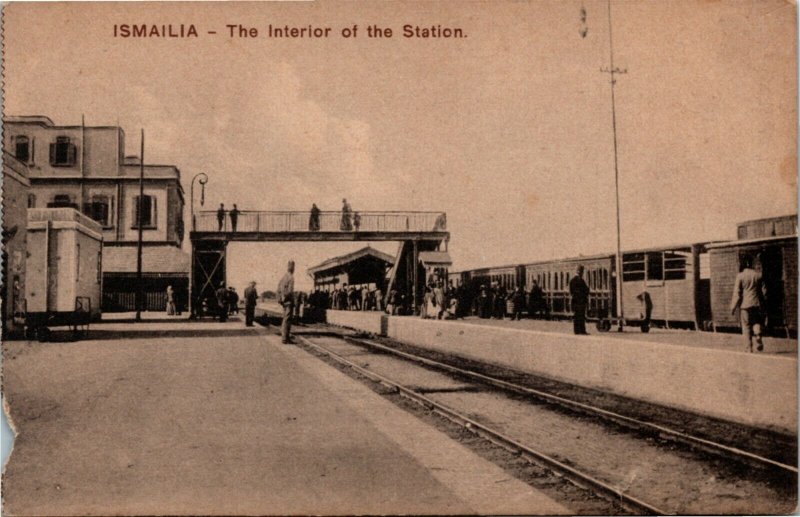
pixel 684 370
pixel 717 340
pixel 179 417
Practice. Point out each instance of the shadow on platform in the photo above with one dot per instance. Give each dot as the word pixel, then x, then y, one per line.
pixel 135 331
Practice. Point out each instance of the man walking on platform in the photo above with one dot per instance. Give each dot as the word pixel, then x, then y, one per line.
pixel 250 299
pixel 286 299
pixel 220 217
pixel 580 300
pixel 234 213
pixel 222 302
pixel 749 293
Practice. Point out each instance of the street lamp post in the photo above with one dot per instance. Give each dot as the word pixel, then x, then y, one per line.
pixel 203 179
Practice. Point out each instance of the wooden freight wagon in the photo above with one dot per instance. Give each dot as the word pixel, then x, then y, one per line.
pixel 672 281
pixel 554 276
pixel 776 259
pixel 64 270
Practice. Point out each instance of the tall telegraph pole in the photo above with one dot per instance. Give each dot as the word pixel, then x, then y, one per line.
pixel 613 72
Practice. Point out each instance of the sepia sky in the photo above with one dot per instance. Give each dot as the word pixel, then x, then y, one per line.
pixel 508 130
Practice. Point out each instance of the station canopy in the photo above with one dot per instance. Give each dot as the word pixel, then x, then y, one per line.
pixel 365 266
pixel 435 259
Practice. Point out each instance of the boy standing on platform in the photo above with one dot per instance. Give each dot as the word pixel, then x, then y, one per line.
pixel 748 297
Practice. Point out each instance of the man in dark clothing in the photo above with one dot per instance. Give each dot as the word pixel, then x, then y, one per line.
pixel 234 217
pixel 518 301
pixel 250 299
pixel 222 302
pixel 313 220
pixel 579 292
pixel 484 304
pixel 220 216
pixel 536 303
pixel 233 301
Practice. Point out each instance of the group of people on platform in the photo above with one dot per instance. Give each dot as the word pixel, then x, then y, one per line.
pixel 347 298
pixel 221 303
pixel 495 301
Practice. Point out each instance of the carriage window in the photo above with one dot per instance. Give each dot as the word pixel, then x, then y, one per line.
pixel 633 267
pixel 655 265
pixel 675 265
pixel 31 200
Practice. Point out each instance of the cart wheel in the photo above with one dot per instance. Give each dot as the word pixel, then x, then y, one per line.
pixel 603 325
pixel 42 334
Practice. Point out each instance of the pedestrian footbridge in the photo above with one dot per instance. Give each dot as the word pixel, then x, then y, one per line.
pixel 327 226
pixel 419 232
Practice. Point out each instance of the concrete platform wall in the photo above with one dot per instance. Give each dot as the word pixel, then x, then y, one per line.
pixel 368 321
pixel 758 390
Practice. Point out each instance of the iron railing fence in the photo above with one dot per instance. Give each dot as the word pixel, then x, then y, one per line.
pixel 255 221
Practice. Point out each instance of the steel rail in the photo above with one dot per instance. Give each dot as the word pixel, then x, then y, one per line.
pixel 709 446
pixel 575 476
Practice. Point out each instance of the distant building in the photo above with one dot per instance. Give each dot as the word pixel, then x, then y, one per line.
pixel 86 168
pixel 366 266
pixel 16 187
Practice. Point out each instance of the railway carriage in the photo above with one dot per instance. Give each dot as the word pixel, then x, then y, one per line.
pixel 683 286
pixel 508 277
pixel 673 281
pixel 776 259
pixel 553 277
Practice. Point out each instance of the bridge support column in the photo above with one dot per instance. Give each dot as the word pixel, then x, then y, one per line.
pixel 209 270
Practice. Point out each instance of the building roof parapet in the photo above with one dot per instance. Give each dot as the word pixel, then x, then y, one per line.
pixel 62 215
pixel 28 119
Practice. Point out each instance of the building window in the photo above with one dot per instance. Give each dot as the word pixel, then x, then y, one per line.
pixel 62 152
pixel 31 200
pixel 99 209
pixel 62 201
pixel 148 212
pixel 22 149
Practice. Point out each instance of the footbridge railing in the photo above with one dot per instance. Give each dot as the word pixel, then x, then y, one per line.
pixel 293 222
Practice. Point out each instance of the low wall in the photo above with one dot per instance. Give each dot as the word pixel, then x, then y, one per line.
pixel 369 321
pixel 758 390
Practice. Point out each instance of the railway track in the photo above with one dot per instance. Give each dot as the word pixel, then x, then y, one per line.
pixel 594 479
pixel 709 446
